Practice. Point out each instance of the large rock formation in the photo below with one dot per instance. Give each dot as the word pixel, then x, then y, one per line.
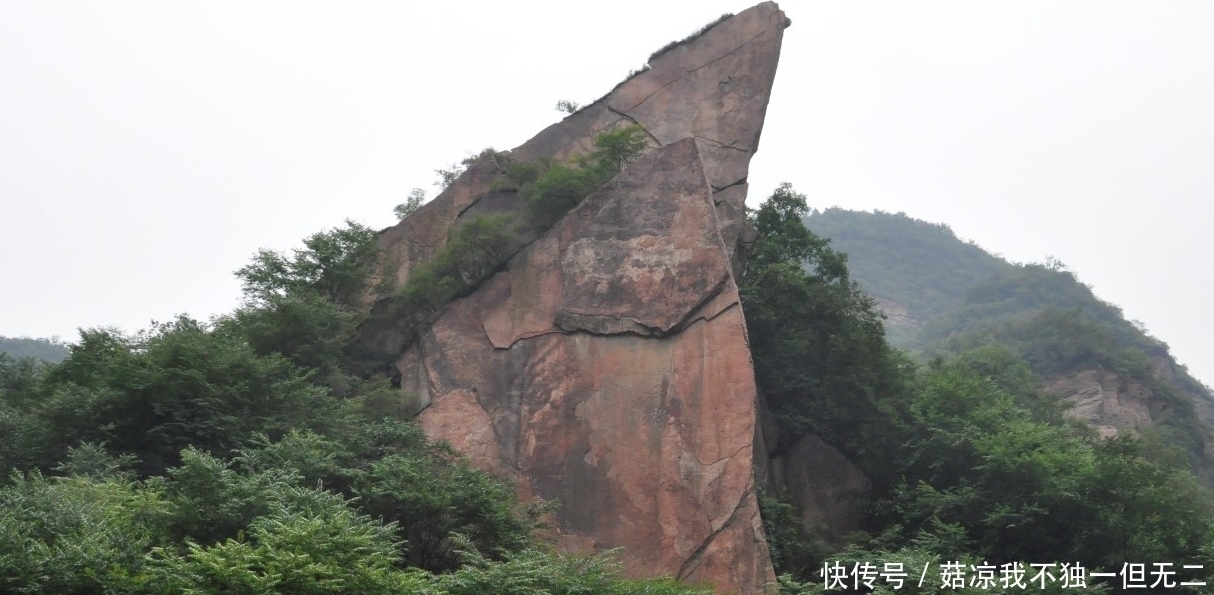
pixel 607 367
pixel 829 493
pixel 1105 400
pixel 1114 402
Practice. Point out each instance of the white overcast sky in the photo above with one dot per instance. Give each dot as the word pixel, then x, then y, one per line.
pixel 148 149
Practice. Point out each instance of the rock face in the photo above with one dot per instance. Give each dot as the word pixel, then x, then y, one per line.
pixel 1104 400
pixel 1114 403
pixel 829 493
pixel 607 366
pixel 897 316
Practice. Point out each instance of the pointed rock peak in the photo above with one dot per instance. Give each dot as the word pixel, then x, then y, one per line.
pixel 602 362
pixel 713 87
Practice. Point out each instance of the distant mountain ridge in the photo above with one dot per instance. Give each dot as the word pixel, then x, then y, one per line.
pixel 942 295
pixel 51 350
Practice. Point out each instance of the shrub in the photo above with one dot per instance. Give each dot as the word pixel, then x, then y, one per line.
pixel 481 245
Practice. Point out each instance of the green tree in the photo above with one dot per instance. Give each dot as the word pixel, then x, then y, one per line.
pixel 176 386
pixel 530 572
pixel 481 245
pixel 417 196
pixel 75 535
pixel 987 473
pixel 334 264
pixel 448 175
pixel 569 107
pixel 28 441
pixel 552 189
pixel 325 548
pixel 783 238
pixel 821 360
pixel 617 147
pixel 436 494
pixel 212 501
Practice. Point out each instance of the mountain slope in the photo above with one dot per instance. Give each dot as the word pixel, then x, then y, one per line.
pixel 918 270
pixel 943 295
pixel 50 350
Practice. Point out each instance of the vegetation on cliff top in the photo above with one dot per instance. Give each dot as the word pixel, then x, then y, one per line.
pixel 696 35
pixel 481 245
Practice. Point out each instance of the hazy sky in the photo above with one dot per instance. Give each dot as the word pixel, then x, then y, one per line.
pixel 148 149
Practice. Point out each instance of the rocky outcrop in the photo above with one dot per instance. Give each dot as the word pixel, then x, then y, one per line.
pixel 828 492
pixel 1114 403
pixel 714 88
pixel 607 367
pixel 898 316
pixel 1105 400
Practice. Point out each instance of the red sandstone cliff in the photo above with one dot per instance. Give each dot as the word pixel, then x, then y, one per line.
pixel 607 366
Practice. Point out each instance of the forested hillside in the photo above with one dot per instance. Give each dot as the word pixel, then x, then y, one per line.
pixel 970 459
pixel 945 296
pixel 911 265
pixel 51 350
pixel 264 452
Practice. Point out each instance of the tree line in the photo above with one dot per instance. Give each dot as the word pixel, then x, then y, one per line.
pixel 258 453
pixel 970 460
pixel 255 453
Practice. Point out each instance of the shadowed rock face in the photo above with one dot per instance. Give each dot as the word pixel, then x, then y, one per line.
pixel 607 366
pixel 829 493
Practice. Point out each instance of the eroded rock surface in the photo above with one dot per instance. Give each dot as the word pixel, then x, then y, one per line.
pixel 1105 400
pixel 607 366
pixel 1114 403
pixel 618 385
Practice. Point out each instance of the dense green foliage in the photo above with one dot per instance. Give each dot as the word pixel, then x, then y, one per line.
pixel 921 266
pixel 252 455
pixel 819 349
pixel 1019 292
pixel 551 189
pixel 479 247
pixel 958 297
pixel 970 460
pixel 333 265
pixel 249 456
pixel 1019 486
pixel 175 386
